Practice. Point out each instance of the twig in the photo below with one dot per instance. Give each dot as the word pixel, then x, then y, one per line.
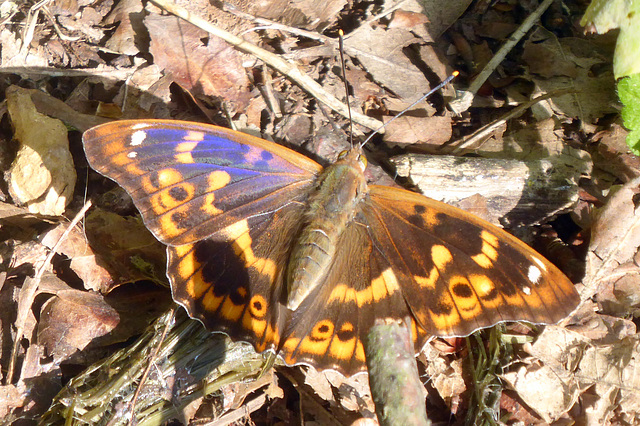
pixel 486 130
pixel 28 292
pixel 274 61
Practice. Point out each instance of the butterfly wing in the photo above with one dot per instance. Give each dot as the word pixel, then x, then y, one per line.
pixel 459 273
pixel 190 179
pixel 224 202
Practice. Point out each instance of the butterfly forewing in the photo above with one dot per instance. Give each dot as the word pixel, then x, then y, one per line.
pixel 189 180
pixel 459 273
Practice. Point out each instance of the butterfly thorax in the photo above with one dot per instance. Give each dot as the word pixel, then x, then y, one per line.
pixel 330 209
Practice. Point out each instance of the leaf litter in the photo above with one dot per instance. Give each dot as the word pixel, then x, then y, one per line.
pixel 584 370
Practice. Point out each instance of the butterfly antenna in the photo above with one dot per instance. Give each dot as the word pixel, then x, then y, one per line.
pixel 423 97
pixel 344 80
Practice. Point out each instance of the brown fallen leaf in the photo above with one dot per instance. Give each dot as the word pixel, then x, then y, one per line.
pixel 435 130
pixel 127 250
pixel 615 239
pixel 127 14
pixel 202 64
pixel 380 51
pixel 71 319
pixel 405 19
pixel 82 258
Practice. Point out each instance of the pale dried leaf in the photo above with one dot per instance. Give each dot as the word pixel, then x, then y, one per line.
pixel 127 14
pixel 615 236
pixel 43 175
pixel 544 390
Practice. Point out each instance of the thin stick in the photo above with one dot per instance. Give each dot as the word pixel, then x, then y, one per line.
pixel 274 61
pixel 346 85
pixel 484 131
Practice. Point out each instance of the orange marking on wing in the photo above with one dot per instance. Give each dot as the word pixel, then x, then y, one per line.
pixel 250 323
pixel 342 349
pixel 193 135
pixel 360 351
pixel 217 179
pixel 230 311
pixel 441 256
pixel 211 302
pixel 196 287
pixel 430 281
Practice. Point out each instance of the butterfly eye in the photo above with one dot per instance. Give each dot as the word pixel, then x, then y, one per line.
pixel 362 160
pixel 343 154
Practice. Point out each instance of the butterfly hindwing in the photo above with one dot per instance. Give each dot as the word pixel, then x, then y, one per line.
pixel 233 281
pixel 190 179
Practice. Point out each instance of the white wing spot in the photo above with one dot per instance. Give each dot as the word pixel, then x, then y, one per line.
pixel 132 154
pixel 534 274
pixel 138 137
pixel 139 126
pixel 539 262
pixel 526 290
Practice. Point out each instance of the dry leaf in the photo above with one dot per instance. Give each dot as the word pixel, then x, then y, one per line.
pixel 43 175
pixel 405 19
pixel 83 260
pixel 202 64
pixel 127 14
pixel 596 92
pixel 543 390
pixel 435 130
pixel 125 248
pixel 382 55
pixel 71 320
pixel 615 236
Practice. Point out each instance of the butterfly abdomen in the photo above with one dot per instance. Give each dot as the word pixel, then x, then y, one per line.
pixel 329 210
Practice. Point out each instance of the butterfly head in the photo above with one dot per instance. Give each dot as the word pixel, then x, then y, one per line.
pixel 354 157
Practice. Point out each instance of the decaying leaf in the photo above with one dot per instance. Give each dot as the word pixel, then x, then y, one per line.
pixel 543 390
pixel 615 237
pixel 200 63
pixel 43 175
pixel 71 320
pixel 125 248
pixel 381 53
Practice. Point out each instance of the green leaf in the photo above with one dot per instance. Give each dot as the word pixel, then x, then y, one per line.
pixel 629 93
pixel 604 15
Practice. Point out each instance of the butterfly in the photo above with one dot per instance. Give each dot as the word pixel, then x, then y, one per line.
pixel 269 247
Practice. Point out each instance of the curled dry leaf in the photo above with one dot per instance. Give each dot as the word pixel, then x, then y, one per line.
pixel 83 259
pixel 42 176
